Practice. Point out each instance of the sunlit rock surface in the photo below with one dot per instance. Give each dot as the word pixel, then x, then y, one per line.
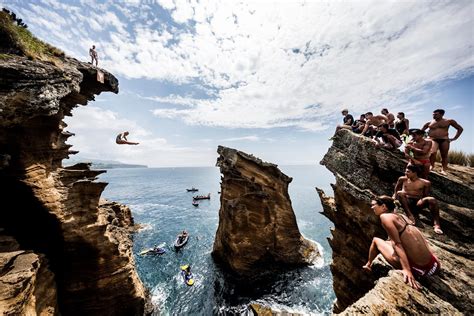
pixel 257 226
pixel 73 254
pixel 361 172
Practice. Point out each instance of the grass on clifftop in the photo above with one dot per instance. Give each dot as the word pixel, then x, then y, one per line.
pixel 457 157
pixel 19 39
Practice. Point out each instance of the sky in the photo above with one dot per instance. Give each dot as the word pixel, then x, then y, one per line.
pixel 266 77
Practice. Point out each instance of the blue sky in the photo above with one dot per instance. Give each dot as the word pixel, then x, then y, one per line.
pixel 265 77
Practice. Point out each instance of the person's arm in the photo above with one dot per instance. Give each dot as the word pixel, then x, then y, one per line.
pixel 398 186
pixel 407 129
pixel 366 127
pixel 425 126
pixel 389 226
pixel 424 150
pixel 458 128
pixel 427 188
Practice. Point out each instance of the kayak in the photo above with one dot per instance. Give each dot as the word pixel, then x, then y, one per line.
pixel 188 279
pixel 180 243
pixel 153 251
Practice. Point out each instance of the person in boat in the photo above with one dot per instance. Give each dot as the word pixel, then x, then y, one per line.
pixel 406 248
pixel 182 236
pixel 121 139
pixel 187 273
pixel 412 192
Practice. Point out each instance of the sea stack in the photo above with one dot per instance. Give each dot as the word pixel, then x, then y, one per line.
pixel 63 250
pixel 257 226
pixel 363 171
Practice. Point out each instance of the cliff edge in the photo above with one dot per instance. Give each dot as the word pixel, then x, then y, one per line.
pixel 363 171
pixel 257 226
pixel 63 250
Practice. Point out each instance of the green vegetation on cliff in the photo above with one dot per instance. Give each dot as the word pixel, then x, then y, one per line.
pixel 15 39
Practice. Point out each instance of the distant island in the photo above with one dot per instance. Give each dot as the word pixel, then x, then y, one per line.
pixel 102 164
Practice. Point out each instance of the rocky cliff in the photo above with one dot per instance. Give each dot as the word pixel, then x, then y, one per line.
pixel 257 225
pixel 361 172
pixel 62 249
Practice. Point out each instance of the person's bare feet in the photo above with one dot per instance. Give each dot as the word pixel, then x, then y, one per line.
pixel 367 267
pixel 437 229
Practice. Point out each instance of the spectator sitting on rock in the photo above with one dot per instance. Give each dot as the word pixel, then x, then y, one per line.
pixel 371 123
pixel 389 136
pixel 406 248
pixel 413 193
pixel 418 152
pixel 359 124
pixel 347 121
pixel 402 124
pixel 390 118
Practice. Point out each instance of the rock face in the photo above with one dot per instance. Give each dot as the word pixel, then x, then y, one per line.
pixel 72 253
pixel 362 171
pixel 257 225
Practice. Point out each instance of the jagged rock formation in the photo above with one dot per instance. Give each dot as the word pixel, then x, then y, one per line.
pixel 257 226
pixel 363 171
pixel 67 243
pixel 26 283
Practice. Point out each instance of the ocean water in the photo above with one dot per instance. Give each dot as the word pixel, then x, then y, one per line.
pixel 160 203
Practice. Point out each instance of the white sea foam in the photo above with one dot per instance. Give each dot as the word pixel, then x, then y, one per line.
pixel 287 310
pixel 317 261
pixel 159 294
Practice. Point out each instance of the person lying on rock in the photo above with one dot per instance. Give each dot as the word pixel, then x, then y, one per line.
pixel 121 139
pixel 418 152
pixel 412 192
pixel 406 248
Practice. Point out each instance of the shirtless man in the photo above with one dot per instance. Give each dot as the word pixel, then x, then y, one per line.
pixel 413 192
pixel 418 152
pixel 438 133
pixel 390 139
pixel 390 118
pixel 372 122
pixel 93 54
pixel 121 139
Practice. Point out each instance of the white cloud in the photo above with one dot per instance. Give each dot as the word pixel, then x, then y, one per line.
pixel 96 130
pixel 249 138
pixel 276 64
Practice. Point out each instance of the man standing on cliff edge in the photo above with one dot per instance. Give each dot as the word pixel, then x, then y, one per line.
pixel 438 133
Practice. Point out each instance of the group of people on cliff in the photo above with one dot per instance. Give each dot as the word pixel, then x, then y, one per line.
pixel 391 133
pixel 406 247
